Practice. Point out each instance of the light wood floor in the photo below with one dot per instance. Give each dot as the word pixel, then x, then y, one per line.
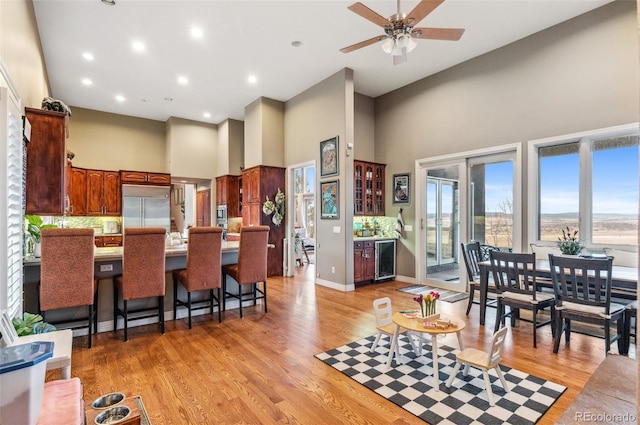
pixel 262 370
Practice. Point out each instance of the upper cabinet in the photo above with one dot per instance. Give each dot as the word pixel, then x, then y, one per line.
pixel 77 191
pixel 368 188
pixel 141 177
pixel 46 162
pixel 228 193
pixel 103 193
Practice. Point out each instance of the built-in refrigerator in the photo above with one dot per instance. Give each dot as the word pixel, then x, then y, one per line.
pixel 146 206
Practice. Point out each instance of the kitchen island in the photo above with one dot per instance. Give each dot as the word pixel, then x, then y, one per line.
pixel 108 263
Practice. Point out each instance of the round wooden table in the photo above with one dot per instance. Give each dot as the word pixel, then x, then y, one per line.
pixel 414 324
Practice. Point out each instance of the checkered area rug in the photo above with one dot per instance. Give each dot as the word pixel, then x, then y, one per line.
pixel 410 385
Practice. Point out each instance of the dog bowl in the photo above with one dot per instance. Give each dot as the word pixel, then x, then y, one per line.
pixel 113 415
pixel 107 400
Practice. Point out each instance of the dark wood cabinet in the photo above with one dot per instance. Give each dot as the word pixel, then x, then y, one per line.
pixel 46 163
pixel 203 208
pixel 104 193
pixel 258 183
pixel 228 193
pixel 142 177
pixel 76 191
pixel 368 188
pixel 364 261
pixel 108 241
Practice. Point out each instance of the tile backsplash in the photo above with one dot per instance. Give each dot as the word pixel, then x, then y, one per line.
pixel 83 222
pixel 386 225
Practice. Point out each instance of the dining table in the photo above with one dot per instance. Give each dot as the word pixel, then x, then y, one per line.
pixel 624 281
pixel 418 324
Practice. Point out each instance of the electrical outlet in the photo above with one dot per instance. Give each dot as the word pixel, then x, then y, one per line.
pixel 336 229
pixel 408 228
pixel 333 269
pixel 106 267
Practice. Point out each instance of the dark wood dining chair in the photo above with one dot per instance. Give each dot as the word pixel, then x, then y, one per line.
pixel 515 277
pixel 143 275
pixel 67 274
pixel 472 254
pixel 583 294
pixel 251 268
pixel 203 272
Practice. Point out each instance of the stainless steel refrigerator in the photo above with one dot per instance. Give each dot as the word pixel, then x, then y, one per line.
pixel 146 206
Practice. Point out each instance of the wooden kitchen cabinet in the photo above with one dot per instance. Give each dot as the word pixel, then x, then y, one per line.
pixel 368 188
pixel 364 261
pixel 203 208
pixel 46 163
pixel 143 177
pixel 104 193
pixel 258 183
pixel 228 193
pixel 108 241
pixel 76 191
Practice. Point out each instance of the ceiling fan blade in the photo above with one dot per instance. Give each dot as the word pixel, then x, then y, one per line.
pixel 421 10
pixel 362 44
pixel 400 59
pixel 452 34
pixel 369 14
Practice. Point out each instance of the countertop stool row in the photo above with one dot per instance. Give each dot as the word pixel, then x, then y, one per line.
pixel 67 273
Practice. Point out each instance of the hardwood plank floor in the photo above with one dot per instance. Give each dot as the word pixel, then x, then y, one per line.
pixel 261 369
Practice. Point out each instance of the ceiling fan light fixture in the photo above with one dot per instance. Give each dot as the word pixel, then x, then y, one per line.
pixel 411 44
pixel 388 44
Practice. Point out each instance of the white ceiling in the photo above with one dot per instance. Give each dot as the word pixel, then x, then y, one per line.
pixel 243 38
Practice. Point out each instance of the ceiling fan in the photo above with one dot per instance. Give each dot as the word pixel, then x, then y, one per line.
pixel 400 30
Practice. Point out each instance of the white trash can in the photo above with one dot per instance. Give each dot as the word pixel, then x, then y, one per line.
pixel 22 372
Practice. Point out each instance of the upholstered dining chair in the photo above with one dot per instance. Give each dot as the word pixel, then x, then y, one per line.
pixel 67 274
pixel 251 268
pixel 583 294
pixel 143 274
pixel 515 277
pixel 474 253
pixel 203 272
pixel 484 361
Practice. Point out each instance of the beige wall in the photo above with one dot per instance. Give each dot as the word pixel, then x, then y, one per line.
pixel 192 148
pixel 21 53
pixel 364 124
pixel 264 133
pixel 108 141
pixel 577 76
pixel 324 111
pixel 230 158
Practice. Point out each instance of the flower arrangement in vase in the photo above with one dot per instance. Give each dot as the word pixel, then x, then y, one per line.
pixel 569 243
pixel 428 303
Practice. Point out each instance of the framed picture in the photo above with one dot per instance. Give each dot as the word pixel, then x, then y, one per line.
pixel 401 188
pixel 330 200
pixel 329 157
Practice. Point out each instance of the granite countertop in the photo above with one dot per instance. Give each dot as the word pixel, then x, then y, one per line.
pixel 373 238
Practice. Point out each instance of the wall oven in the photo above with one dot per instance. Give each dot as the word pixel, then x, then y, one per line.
pixel 221 216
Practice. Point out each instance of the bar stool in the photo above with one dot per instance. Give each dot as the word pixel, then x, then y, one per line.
pixel 251 268
pixel 66 274
pixel 204 256
pixel 630 312
pixel 143 274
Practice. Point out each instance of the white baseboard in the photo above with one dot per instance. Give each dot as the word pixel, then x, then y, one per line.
pixel 406 279
pixel 335 285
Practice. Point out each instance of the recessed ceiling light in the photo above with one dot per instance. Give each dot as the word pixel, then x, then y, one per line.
pixel 168 99
pixel 252 79
pixel 88 56
pixel 206 115
pixel 87 82
pixel 120 98
pixel 196 32
pixel 183 80
pixel 296 43
pixel 138 46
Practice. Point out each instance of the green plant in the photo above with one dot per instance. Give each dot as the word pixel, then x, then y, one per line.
pixel 569 242
pixel 31 324
pixel 35 225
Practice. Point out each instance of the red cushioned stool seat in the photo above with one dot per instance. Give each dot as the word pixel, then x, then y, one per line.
pixel 62 403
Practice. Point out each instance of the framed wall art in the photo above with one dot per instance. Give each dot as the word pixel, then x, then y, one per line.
pixel 330 199
pixel 329 157
pixel 401 188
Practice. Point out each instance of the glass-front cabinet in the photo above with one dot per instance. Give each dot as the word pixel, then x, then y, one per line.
pixel 368 188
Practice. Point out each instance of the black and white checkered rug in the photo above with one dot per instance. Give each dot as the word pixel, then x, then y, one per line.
pixel 410 385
